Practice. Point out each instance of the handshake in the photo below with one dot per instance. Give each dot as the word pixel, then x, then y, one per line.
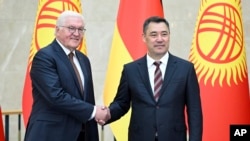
pixel 102 114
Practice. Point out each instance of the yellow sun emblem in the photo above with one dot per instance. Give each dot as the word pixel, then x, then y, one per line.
pixel 218 50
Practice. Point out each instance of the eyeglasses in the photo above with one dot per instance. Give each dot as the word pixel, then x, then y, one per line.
pixel 73 29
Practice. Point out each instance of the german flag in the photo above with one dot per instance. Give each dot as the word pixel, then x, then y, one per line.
pixel 44 28
pixel 127 46
pixel 219 55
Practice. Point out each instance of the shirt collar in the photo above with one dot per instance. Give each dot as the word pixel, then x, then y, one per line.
pixel 164 60
pixel 66 50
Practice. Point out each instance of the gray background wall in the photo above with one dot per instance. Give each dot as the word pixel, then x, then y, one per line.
pixel 17 19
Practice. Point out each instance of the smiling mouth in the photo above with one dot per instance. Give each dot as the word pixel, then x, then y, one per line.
pixel 75 39
pixel 159 46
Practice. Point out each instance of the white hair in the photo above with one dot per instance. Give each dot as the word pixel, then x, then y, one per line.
pixel 63 16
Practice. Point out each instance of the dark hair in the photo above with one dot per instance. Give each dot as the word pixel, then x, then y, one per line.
pixel 154 19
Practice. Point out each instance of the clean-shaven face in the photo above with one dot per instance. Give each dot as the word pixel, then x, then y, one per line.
pixel 71 33
pixel 157 38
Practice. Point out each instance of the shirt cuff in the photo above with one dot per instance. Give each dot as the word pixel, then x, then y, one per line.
pixel 93 113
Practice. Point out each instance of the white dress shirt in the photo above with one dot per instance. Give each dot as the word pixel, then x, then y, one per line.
pixel 152 67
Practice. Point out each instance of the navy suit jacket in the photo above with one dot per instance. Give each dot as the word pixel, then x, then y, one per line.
pixel 167 116
pixel 59 109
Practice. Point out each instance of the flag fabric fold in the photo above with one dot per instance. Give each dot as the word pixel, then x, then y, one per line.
pixel 43 34
pixel 219 55
pixel 127 46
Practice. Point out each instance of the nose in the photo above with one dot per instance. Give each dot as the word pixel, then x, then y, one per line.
pixel 159 38
pixel 77 32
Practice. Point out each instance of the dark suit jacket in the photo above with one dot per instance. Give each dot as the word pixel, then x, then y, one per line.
pixel 59 109
pixel 166 117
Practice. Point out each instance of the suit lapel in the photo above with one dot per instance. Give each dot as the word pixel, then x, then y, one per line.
pixel 171 66
pixel 143 71
pixel 66 61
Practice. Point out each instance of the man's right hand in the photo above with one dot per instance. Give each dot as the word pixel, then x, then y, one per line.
pixel 102 114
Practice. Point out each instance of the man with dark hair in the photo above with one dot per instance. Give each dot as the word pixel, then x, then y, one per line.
pixel 160 88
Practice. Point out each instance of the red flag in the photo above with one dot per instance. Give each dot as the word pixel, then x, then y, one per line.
pixel 2 138
pixel 127 46
pixel 218 52
pixel 47 13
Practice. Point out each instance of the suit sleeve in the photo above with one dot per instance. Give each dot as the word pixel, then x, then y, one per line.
pixel 121 102
pixel 194 110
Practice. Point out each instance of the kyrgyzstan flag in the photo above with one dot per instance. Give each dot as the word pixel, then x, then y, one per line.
pixel 2 138
pixel 44 28
pixel 219 55
pixel 127 46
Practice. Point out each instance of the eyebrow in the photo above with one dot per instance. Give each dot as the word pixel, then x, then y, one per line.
pixel 157 32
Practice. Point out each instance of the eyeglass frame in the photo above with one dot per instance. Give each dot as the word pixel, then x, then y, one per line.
pixel 73 29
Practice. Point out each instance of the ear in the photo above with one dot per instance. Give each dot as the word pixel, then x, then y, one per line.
pixel 144 38
pixel 57 28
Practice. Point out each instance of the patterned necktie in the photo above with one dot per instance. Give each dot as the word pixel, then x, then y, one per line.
pixel 157 80
pixel 71 55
